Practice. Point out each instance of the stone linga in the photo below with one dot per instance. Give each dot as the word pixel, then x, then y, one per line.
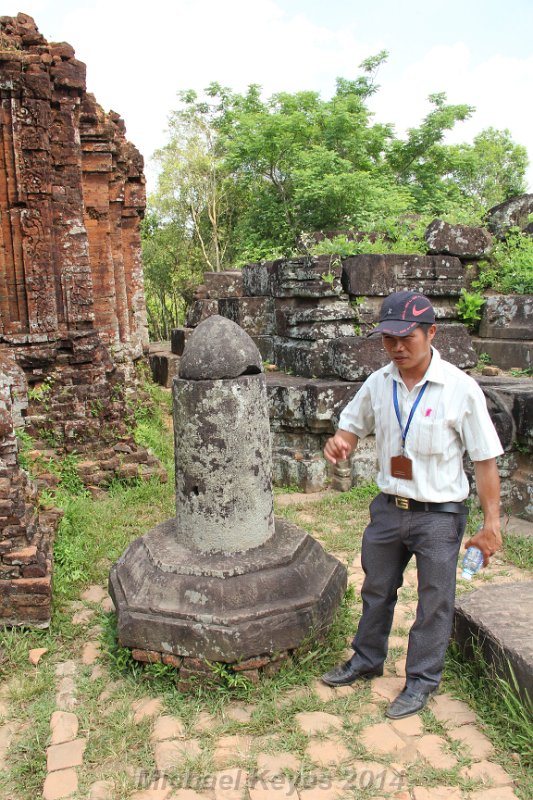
pixel 223 581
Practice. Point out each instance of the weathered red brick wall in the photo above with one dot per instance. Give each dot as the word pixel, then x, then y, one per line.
pixel 71 200
pixel 26 532
pixel 72 311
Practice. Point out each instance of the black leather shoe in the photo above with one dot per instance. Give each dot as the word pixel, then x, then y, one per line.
pixel 347 673
pixel 407 703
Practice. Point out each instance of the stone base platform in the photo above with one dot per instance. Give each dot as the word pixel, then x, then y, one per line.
pixel 498 619
pixel 506 353
pixel 164 364
pixel 196 673
pixel 176 601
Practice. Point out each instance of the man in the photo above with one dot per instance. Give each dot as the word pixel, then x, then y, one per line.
pixel 425 413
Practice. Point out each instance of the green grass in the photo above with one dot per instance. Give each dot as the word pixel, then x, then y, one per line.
pixel 31 695
pixel 507 719
pixel 518 550
pixel 338 520
pixel 93 534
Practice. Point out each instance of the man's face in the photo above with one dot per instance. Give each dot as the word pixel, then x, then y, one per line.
pixel 411 352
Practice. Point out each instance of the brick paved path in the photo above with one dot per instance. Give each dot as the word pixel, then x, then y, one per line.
pixel 333 744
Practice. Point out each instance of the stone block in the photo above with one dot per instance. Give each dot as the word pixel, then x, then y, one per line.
pixel 507 317
pixel 474 741
pixel 224 284
pixel 69 74
pixel 173 753
pixel 178 339
pixel 66 755
pixel 302 277
pixel 498 618
pixel 312 405
pixel 301 357
pixel 307 471
pixel 328 753
pixel 506 353
pixel 313 722
pixel 178 588
pixel 501 415
pixel 60 784
pixel 355 358
pixel 373 274
pixel 433 749
pixel 313 278
pixel 256 279
pixel 255 315
pixel 327 318
pixel 64 727
pixel 265 345
pixel 510 213
pixel 464 241
pixel 454 343
pixel 519 398
pixel 381 739
pixel 164 368
pixel 200 310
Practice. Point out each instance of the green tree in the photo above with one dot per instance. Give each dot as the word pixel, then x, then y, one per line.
pixel 491 169
pixel 421 163
pixel 193 179
pixel 172 270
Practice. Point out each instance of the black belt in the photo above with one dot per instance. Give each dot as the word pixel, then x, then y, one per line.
pixel 407 504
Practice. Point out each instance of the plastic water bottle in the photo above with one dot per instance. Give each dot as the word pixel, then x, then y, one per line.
pixel 472 562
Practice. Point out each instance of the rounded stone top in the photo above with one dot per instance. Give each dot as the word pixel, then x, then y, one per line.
pixel 219 349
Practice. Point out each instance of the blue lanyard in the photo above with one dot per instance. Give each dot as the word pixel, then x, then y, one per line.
pixel 404 431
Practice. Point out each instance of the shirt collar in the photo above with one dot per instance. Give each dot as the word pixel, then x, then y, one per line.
pixel 434 373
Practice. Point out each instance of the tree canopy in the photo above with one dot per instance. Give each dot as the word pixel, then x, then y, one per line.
pixel 244 178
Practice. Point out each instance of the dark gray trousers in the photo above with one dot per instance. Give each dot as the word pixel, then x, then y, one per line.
pixel 392 537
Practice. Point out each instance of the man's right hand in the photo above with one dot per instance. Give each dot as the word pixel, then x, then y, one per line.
pixel 340 446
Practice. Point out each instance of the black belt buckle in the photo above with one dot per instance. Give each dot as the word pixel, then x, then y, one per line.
pixel 401 502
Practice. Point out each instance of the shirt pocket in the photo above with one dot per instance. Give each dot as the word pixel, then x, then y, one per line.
pixel 429 437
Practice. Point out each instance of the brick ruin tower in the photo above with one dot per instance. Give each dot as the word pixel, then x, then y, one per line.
pixel 72 311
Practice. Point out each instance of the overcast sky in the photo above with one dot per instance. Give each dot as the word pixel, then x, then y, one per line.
pixel 140 54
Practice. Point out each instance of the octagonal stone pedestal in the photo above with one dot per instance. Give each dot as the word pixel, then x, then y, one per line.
pixel 176 600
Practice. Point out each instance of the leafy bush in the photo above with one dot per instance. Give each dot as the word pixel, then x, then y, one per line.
pixel 394 237
pixel 469 308
pixel 510 268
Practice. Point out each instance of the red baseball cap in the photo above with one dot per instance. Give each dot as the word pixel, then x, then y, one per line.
pixel 401 312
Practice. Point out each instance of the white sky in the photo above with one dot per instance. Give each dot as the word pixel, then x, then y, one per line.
pixel 140 54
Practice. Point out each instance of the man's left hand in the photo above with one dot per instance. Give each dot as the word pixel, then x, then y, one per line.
pixel 489 541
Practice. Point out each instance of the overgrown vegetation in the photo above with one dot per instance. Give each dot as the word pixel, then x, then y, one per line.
pixel 510 268
pixel 508 718
pixel 469 308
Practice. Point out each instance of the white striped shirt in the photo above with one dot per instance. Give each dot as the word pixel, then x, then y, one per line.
pixel 451 417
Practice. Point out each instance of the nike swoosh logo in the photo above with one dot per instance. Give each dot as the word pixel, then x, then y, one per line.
pixel 418 311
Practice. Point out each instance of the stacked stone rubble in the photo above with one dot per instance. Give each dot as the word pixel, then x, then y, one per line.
pixel 310 316
pixel 72 313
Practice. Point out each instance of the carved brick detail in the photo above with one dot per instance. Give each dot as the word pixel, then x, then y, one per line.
pixel 72 310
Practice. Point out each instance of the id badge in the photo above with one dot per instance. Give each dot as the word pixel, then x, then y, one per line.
pixel 401 467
